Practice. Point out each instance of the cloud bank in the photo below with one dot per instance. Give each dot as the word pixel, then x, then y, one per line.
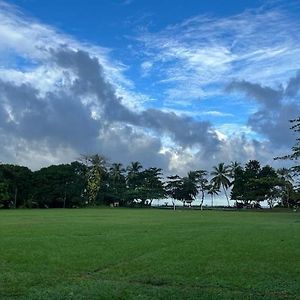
pixel 60 98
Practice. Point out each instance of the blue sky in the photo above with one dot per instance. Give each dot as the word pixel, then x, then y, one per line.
pixel 176 84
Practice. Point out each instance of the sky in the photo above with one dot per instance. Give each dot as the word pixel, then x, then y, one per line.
pixel 180 85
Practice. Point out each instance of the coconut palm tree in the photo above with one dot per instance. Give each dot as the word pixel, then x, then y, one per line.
pixel 116 171
pixel 133 172
pixel 234 165
pixel 221 173
pixel 212 191
pixel 117 183
pixel 134 180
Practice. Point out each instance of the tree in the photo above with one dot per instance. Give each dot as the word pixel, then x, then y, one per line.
pixel 18 182
pixel 189 187
pixel 287 185
pixel 296 148
pixel 96 170
pixel 268 185
pixel 117 183
pixel 239 187
pixel 4 196
pixel 234 165
pixel 202 184
pixel 250 181
pixel 152 186
pixel 294 156
pixel 59 186
pixel 212 191
pixel 221 174
pixel 173 188
pixel 134 181
pixel 255 184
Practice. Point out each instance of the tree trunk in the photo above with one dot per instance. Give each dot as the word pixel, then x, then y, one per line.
pixel 65 198
pixel 288 198
pixel 16 194
pixel 225 194
pixel 202 199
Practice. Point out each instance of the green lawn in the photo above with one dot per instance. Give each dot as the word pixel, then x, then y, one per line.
pixel 149 254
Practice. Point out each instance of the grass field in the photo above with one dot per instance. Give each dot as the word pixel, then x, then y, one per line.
pixel 149 254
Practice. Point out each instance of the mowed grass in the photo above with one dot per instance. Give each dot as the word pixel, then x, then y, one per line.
pixel 149 254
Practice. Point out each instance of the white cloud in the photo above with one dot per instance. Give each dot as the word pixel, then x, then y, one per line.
pixel 29 40
pixel 258 45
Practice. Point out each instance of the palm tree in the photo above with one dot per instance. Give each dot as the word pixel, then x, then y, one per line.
pixel 134 167
pixel 133 171
pixel 221 174
pixel 116 171
pixel 96 169
pixel 117 184
pixel 133 180
pixel 234 165
pixel 212 191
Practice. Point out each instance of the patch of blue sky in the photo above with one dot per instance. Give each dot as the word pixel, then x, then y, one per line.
pixel 12 60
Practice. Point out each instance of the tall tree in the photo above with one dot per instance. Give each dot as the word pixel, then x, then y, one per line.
pixel 134 181
pixel 117 183
pixel 221 174
pixel 152 186
pixel 202 184
pixel 234 165
pixel 18 182
pixel 96 166
pixel 59 186
pixel 294 156
pixel 4 196
pixel 213 190
pixel 173 188
pixel 287 185
pixel 189 187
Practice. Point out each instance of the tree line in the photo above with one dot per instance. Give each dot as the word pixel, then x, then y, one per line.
pixel 91 181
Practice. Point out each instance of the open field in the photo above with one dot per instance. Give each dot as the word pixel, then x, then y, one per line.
pixel 149 254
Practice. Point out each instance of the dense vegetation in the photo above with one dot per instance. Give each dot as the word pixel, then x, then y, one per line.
pixel 94 182
pixel 91 181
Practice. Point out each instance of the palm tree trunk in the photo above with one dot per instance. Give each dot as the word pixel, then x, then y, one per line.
pixel 202 200
pixel 225 194
pixel 174 206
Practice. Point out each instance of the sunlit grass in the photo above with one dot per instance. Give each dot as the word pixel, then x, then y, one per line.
pixel 149 254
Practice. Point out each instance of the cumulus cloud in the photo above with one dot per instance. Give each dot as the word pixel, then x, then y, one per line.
pixel 293 86
pixel 77 111
pixel 276 108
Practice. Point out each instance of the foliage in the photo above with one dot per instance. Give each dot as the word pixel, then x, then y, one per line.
pixel 96 170
pixel 4 195
pixel 59 186
pixel 16 181
pixel 254 184
pixel 221 175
